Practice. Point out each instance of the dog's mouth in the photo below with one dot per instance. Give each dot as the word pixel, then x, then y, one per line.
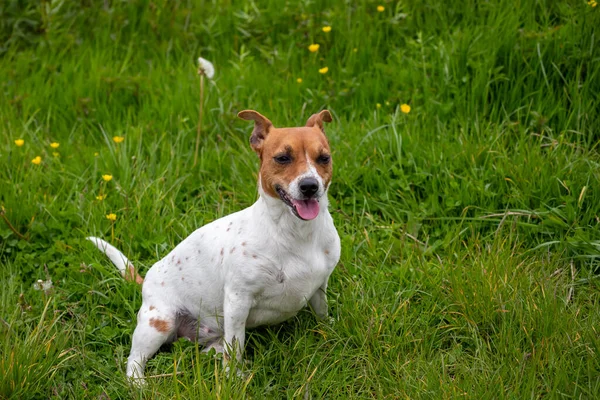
pixel 306 209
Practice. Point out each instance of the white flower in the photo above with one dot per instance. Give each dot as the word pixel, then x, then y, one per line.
pixel 206 68
pixel 43 285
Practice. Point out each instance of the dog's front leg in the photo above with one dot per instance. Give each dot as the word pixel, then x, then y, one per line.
pixel 235 313
pixel 318 302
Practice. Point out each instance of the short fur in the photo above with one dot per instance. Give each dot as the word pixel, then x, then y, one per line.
pixel 258 266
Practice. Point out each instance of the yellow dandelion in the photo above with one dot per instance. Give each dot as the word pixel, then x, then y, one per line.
pixel 101 197
pixel 111 217
pixel 19 142
pixel 592 3
pixel 55 154
pixel 380 8
pixel 314 47
pixel 355 49
pixel 299 80
pixel 378 105
pixel 326 29
pixel 405 108
pixel 118 139
pixel 96 154
pixel 323 70
pixel 54 145
pixel 37 160
pixel 107 178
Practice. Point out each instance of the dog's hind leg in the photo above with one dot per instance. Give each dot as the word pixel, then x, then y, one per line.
pixel 156 325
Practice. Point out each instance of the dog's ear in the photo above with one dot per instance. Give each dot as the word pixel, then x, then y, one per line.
pixel 262 126
pixel 318 119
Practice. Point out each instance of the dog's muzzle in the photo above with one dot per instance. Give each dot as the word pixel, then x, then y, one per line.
pixel 307 208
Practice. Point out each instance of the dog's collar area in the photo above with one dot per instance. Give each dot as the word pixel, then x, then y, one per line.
pixel 306 209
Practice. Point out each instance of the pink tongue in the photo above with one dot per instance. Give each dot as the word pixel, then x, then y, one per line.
pixel 307 209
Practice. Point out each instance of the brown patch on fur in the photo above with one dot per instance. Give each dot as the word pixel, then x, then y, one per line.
pixel 297 143
pixel 152 308
pixel 326 251
pixel 132 275
pixel 243 243
pixel 254 256
pixel 222 251
pixel 160 324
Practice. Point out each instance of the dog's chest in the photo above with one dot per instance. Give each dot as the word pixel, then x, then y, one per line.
pixel 288 287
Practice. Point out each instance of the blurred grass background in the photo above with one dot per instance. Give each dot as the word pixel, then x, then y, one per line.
pixel 469 225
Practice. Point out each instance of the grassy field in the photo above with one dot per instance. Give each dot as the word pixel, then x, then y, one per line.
pixel 470 224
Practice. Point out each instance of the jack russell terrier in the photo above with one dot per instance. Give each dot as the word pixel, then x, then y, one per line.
pixel 258 266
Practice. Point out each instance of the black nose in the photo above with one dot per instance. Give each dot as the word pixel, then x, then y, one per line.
pixel 309 186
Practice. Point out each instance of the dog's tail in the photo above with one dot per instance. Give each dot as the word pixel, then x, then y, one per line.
pixel 121 262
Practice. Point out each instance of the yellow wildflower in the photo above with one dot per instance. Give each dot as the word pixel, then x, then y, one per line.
pixel 323 70
pixel 101 197
pixel 54 145
pixel 326 29
pixel 111 216
pixel 37 160
pixel 314 47
pixel 378 105
pixel 107 177
pixel 118 139
pixel 355 49
pixel 96 154
pixel 405 108
pixel 55 154
pixel 380 8
pixel 19 142
pixel 299 80
pixel 592 3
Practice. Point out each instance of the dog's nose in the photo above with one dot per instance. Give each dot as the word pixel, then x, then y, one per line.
pixel 309 186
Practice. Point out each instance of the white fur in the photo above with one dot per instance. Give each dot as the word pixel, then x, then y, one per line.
pixel 255 267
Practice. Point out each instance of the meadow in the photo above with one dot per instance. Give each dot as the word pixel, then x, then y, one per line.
pixel 466 191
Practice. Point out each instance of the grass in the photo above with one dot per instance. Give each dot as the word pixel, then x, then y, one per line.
pixel 470 228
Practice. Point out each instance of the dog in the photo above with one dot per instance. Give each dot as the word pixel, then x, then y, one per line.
pixel 258 266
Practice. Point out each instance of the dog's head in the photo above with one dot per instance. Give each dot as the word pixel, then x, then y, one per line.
pixel 295 163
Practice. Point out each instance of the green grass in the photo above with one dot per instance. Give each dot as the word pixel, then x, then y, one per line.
pixel 470 226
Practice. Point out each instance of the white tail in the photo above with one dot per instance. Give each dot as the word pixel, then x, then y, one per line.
pixel 121 262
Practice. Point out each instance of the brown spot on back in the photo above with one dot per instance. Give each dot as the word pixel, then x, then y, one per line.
pixel 152 308
pixel 243 243
pixel 326 251
pixel 254 256
pixel 132 275
pixel 160 325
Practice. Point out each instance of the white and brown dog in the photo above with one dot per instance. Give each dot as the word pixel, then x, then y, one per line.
pixel 258 266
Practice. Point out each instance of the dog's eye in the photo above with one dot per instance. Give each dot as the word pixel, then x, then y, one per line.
pixel 283 159
pixel 323 159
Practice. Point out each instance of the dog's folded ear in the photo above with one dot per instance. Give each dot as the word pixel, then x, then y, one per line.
pixel 318 119
pixel 262 125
